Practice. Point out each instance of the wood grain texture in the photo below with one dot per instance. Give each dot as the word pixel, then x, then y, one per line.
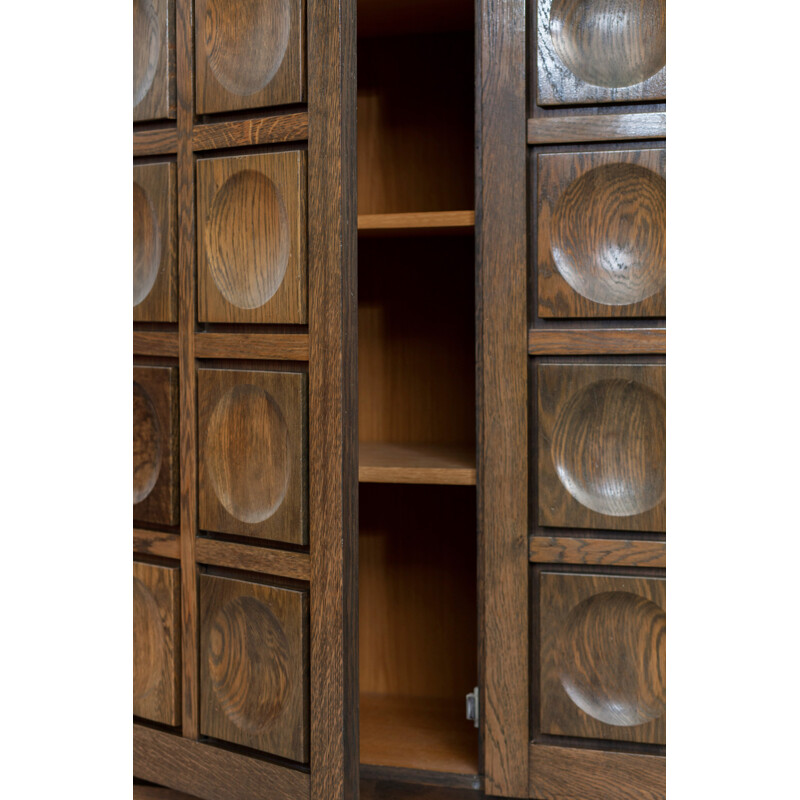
pixel 155 543
pixel 155 445
pixel 253 453
pixel 155 244
pixel 418 733
pixel 211 773
pixel 254 665
pixel 602 445
pixel 417 223
pixel 245 132
pixel 501 252
pixel 155 343
pixel 564 773
pixel 252 238
pixel 153 59
pixel 597 128
pixel 386 462
pixel 602 657
pixel 272 346
pixel 601 244
pixel 587 341
pixel 254 559
pixel 161 141
pixel 600 52
pixel 401 782
pixel 607 552
pixel 415 144
pixel 156 643
pixel 249 54
pixel 333 398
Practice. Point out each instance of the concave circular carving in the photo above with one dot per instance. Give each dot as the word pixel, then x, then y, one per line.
pixel 246 41
pixel 248 453
pixel 607 234
pixel 610 43
pixel 147 45
pixel 247 239
pixel 610 656
pixel 148 642
pixel 248 663
pixel 609 447
pixel 146 245
pixel 146 444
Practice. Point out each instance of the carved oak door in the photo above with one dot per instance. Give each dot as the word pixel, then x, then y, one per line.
pixel 244 508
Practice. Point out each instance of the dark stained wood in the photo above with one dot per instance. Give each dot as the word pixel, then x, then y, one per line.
pixel 161 141
pixel 249 54
pixel 601 666
pixel 602 445
pixel 155 445
pixel 251 258
pixel 253 453
pixel 597 128
pixel 387 462
pixel 254 559
pixel 333 398
pixel 144 792
pixel 155 543
pixel 408 782
pixel 563 773
pixel 588 341
pixel 276 346
pixel 501 254
pixel 153 59
pixel 155 343
pixel 254 665
pixel 211 773
pixel 242 133
pixel 607 552
pixel 155 242
pixel 599 52
pixel 156 643
pixel 601 223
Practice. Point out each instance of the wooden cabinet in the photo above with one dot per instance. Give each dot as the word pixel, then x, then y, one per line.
pixel 399 398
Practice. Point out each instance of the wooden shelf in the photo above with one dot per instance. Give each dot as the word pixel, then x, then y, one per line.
pixel 424 223
pixel 420 733
pixel 385 462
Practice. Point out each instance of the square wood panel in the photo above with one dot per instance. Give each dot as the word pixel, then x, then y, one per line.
pixel 252 238
pixel 153 60
pixel 155 445
pixel 253 453
pixel 155 262
pixel 603 51
pixel 254 665
pixel 601 233
pixel 602 446
pixel 156 643
pixel 249 54
pixel 602 657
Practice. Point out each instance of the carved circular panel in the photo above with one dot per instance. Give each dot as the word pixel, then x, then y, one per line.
pixel 246 41
pixel 146 444
pixel 147 45
pixel 610 43
pixel 607 234
pixel 247 239
pixel 248 453
pixel 248 663
pixel 148 642
pixel 146 245
pixel 609 447
pixel 611 658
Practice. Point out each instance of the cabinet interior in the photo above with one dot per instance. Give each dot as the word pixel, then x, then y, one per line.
pixel 418 608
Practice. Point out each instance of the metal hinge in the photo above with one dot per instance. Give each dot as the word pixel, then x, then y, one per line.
pixel 474 706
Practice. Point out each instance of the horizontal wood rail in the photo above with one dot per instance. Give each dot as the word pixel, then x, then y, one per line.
pixel 597 128
pixel 255 559
pixel 241 133
pixel 162 141
pixel 279 346
pixel 155 543
pixel 155 343
pixel 605 552
pixel 586 341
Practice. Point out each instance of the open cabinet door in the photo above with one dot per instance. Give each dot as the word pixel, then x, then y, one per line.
pixel 245 406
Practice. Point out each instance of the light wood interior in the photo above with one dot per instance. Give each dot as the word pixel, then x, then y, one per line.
pixel 417 563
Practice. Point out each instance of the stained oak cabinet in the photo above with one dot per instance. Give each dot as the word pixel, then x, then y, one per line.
pixel 399 398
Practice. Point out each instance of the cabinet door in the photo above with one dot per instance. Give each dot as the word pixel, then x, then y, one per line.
pixel 245 427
